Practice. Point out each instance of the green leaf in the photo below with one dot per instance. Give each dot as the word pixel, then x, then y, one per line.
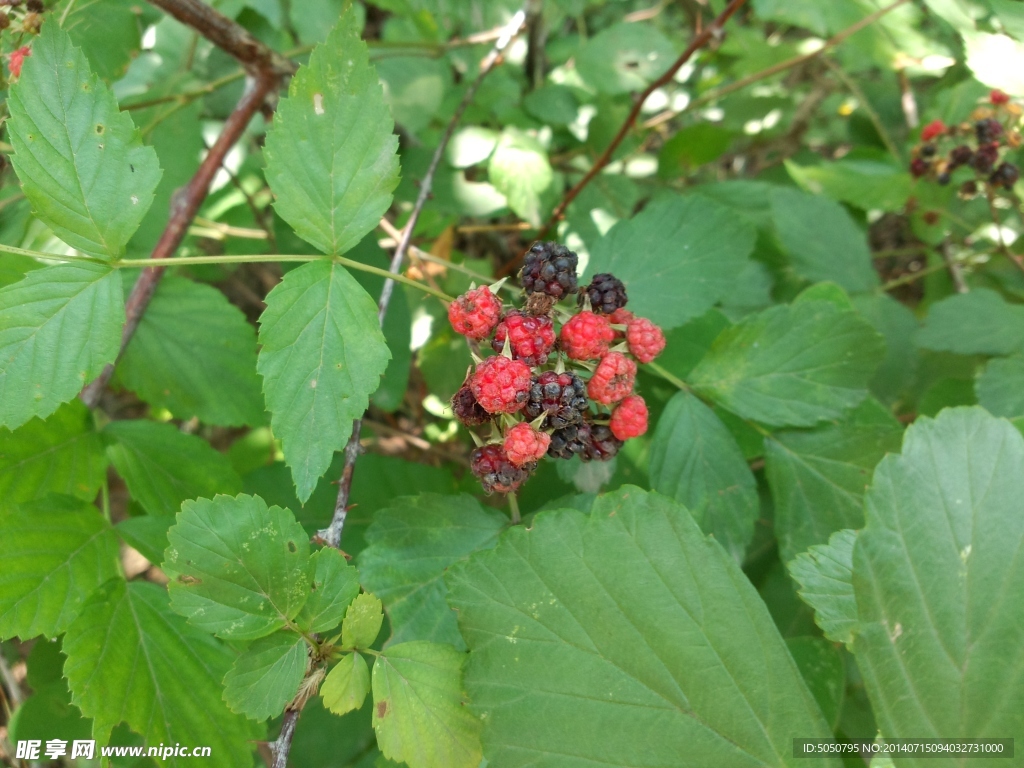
pixel 678 257
pixel 131 659
pixel 822 240
pixel 266 676
pixel 867 184
pixel 691 147
pixel 825 575
pixel 108 32
pixel 331 153
pixel 791 365
pixel 237 568
pixel 981 322
pixel 817 477
pixel 519 169
pixel 822 667
pixel 347 684
pixel 147 534
pixel 898 325
pixel 625 57
pixel 323 354
pixel 585 631
pixel 695 460
pixel 686 345
pixel 204 369
pixel 1000 387
pixel 939 581
pixel 62 454
pixel 80 159
pixel 419 712
pixel 335 586
pixel 362 622
pixel 411 544
pixel 59 327
pixel 163 466
pixel 55 552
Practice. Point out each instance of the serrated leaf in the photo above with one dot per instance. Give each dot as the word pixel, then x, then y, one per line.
pixel 791 365
pixel 335 585
pixel 677 257
pixel 331 153
pixel 868 184
pixel 980 322
pixel 825 575
pixel 80 159
pixel 519 169
pixel 1000 387
pixel 822 240
pixel 59 326
pixel 695 460
pixel 419 713
pixel 939 581
pixel 131 659
pixel 585 631
pixel 411 544
pixel 266 676
pixel 163 466
pixel 322 355
pixel 346 685
pixel 204 369
pixel 62 454
pixel 55 552
pixel 817 477
pixel 362 622
pixel 238 568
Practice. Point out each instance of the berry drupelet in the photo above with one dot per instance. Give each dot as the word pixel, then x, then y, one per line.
pixel 606 293
pixel 569 441
pixel 602 445
pixel 549 268
pixel 562 396
pixel 613 379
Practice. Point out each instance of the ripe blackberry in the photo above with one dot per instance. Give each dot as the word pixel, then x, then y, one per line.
pixel 968 189
pixel 613 379
pixel 602 445
pixel 928 150
pixel 960 156
pixel 629 419
pixel 586 336
pixel 467 409
pixel 562 396
pixel 525 445
pixel 475 313
pixel 606 292
pixel 984 159
pixel 531 338
pixel 550 269
pixel 988 130
pixel 1005 175
pixel 943 179
pixel 501 385
pixel 919 167
pixel 492 467
pixel 569 441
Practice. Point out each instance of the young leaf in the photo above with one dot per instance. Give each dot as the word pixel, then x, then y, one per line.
pixel 695 460
pixel 519 169
pixel 59 326
pixel 981 322
pixel 939 580
pixel 131 659
pixel 411 544
pixel 1000 387
pixel 335 585
pixel 204 369
pixel 323 354
pixel 266 676
pixel 825 575
pixel 677 257
pixel 55 552
pixel 586 630
pixel 237 568
pixel 817 477
pixel 791 365
pixel 362 622
pixel 80 159
pixel 419 713
pixel 331 154
pixel 62 454
pixel 163 466
pixel 347 684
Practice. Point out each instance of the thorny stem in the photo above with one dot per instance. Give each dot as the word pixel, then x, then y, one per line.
pixel 331 536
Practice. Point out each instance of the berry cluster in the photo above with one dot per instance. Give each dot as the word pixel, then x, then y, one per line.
pixel 976 145
pixel 560 394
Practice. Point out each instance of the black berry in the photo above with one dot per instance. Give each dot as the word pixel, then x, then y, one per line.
pixel 602 446
pixel 919 167
pixel 467 409
pixel 606 292
pixel 960 156
pixel 988 130
pixel 492 467
pixel 550 269
pixel 943 179
pixel 984 159
pixel 569 441
pixel 928 150
pixel 1005 175
pixel 562 396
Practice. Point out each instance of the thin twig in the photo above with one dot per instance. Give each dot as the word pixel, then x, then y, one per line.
pixel 14 691
pixel 282 746
pixel 331 536
pixel 956 271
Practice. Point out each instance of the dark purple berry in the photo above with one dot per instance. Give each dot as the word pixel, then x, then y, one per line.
pixel 569 441
pixel 492 467
pixel 960 156
pixel 985 158
pixel 919 167
pixel 988 130
pixel 606 292
pixel 928 150
pixel 1005 175
pixel 602 446
pixel 562 396
pixel 549 268
pixel 943 179
pixel 467 409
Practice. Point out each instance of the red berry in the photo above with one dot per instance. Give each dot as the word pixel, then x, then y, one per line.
pixel 629 419
pixel 932 130
pixel 997 97
pixel 475 313
pixel 494 470
pixel 501 385
pixel 621 316
pixel 613 379
pixel 645 339
pixel 586 336
pixel 919 167
pixel 531 338
pixel 18 58
pixel 524 444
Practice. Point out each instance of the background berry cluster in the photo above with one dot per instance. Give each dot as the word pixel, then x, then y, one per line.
pixel 563 394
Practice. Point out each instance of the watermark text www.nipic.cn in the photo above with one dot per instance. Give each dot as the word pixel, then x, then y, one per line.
pixel 51 749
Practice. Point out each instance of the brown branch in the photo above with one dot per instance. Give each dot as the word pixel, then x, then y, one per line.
pixel 283 745
pixel 699 41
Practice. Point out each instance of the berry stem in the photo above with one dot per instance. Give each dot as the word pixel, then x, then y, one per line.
pixel 513 505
